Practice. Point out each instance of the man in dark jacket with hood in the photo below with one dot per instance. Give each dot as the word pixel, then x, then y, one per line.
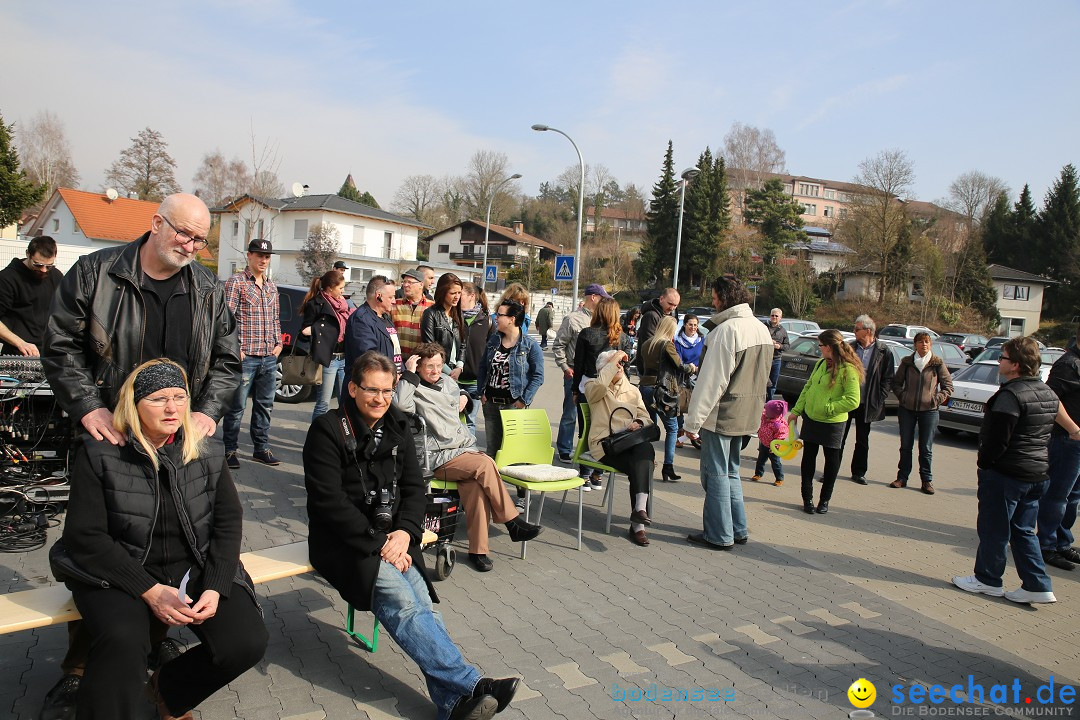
pixel 880 366
pixel 371 326
pixel 27 287
pixel 365 507
pixel 656 309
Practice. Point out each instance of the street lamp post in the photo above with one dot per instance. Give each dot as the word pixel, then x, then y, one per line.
pixel 580 207
pixel 487 224
pixel 687 175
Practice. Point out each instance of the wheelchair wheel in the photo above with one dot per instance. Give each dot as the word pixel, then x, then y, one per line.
pixel 445 560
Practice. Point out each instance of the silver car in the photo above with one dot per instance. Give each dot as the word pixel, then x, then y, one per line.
pixel 972 387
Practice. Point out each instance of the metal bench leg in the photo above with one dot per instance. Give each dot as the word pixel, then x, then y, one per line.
pixel 580 505
pixel 610 501
pixel 350 629
pixel 528 501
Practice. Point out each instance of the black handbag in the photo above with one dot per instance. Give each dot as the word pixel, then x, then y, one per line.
pixel 617 443
pixel 665 396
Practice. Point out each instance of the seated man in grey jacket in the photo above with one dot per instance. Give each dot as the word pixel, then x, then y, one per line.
pixel 424 390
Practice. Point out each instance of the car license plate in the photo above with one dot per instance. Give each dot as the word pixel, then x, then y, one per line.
pixel 799 367
pixel 975 407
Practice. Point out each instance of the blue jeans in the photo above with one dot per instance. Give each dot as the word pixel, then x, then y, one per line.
pixel 567 439
pixel 1008 509
pixel 1057 509
pixel 764 453
pixel 724 514
pixel 403 607
pixel 774 377
pixel 671 425
pixel 333 378
pixel 927 421
pixel 470 416
pixel 258 378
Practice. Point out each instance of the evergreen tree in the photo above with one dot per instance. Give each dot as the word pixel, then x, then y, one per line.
pixel 1024 231
pixel 707 219
pixel 776 216
pixel 1059 236
pixel 997 232
pixel 658 250
pixel 16 191
pixel 349 191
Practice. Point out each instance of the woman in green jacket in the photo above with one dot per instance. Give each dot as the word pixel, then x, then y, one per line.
pixel 831 392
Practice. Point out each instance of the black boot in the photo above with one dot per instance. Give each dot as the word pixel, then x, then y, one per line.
pixel 521 531
pixel 823 507
pixel 667 474
pixel 808 507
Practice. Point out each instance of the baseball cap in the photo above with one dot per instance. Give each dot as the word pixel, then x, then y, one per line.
pixel 340 265
pixel 261 246
pixel 414 274
pixel 596 289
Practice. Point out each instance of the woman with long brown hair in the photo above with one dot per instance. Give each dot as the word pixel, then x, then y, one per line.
pixel 442 323
pixel 659 353
pixel 325 312
pixel 824 403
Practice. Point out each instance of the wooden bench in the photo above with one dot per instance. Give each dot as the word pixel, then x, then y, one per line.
pixel 41 607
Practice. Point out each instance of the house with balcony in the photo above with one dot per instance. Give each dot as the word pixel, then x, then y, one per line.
pixel 463 245
pixel 370 241
pixel 619 221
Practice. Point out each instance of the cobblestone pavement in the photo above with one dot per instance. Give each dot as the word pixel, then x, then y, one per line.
pixel 781 626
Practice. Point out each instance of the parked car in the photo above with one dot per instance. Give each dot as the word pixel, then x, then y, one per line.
pixel 904 332
pixel 1000 340
pixel 289 298
pixel 954 357
pixel 991 354
pixel 972 345
pixel 703 313
pixel 798 362
pixel 802 327
pixel 972 387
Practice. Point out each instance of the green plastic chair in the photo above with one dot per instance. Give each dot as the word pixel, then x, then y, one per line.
pixel 527 441
pixel 582 456
pixel 350 630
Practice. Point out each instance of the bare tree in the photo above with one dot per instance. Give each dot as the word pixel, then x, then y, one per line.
pixel 264 166
pixel 46 155
pixel 145 168
pixel 973 194
pixel 877 217
pixel 797 285
pixel 487 169
pixel 318 251
pixel 749 153
pixel 218 180
pixel 418 197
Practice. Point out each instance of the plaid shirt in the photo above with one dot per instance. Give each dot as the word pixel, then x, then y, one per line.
pixel 407 321
pixel 257 311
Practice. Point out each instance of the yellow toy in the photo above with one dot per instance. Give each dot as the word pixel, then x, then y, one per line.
pixel 787 449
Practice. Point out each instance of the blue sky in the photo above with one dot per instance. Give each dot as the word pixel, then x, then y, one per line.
pixel 387 90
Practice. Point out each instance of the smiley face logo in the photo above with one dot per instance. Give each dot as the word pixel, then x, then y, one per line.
pixel 862 693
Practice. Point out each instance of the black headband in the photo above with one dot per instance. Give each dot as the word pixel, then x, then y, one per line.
pixel 158 377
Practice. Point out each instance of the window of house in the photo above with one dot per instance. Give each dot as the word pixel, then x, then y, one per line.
pixel 829 211
pixel 1016 292
pixel 1015 327
pixel 357 245
pixel 916 289
pixel 809 209
pixel 808 189
pixel 236 228
pixel 830 194
pixel 259 227
pixel 444 248
pixel 388 241
pixel 56 225
pixel 368 274
pixel 299 230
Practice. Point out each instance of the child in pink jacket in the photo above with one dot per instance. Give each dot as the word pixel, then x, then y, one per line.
pixel 773 427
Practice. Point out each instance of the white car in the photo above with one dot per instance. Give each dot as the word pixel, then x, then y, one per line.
pixel 972 387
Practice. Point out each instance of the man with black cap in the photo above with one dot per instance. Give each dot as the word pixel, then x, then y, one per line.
pixel 563 348
pixel 253 299
pixel 409 309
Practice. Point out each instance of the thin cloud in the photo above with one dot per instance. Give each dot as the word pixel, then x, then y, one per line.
pixel 858 95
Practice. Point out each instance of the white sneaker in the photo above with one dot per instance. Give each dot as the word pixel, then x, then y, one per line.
pixel 971 584
pixel 1020 595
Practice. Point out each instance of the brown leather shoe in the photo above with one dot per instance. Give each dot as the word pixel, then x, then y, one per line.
pixel 163 710
pixel 638 538
pixel 640 516
pixel 928 488
pixel 898 483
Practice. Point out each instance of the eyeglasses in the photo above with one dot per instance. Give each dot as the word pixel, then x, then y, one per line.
pixel 372 392
pixel 179 399
pixel 183 237
pixel 42 266
pixel 1005 357
pixel 499 314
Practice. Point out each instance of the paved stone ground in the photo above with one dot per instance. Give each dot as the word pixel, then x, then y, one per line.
pixel 784 624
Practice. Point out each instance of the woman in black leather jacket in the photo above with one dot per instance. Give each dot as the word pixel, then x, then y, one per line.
pixel 325 312
pixel 442 323
pixel 152 538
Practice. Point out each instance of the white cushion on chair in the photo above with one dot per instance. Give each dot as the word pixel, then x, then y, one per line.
pixel 539 473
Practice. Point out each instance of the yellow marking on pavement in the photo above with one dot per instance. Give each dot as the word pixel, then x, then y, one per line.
pixel 571 676
pixel 759 636
pixel 623 664
pixel 671 653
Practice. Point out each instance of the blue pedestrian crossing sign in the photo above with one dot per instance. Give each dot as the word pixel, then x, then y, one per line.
pixel 564 267
pixel 491 274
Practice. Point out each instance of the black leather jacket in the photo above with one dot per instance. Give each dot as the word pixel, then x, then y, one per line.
pixel 436 326
pixel 94 338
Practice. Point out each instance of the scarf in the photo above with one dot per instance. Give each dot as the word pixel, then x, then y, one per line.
pixel 341 310
pixel 920 362
pixel 688 341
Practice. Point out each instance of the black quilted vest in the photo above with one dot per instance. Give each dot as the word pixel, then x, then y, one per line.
pixel 1026 457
